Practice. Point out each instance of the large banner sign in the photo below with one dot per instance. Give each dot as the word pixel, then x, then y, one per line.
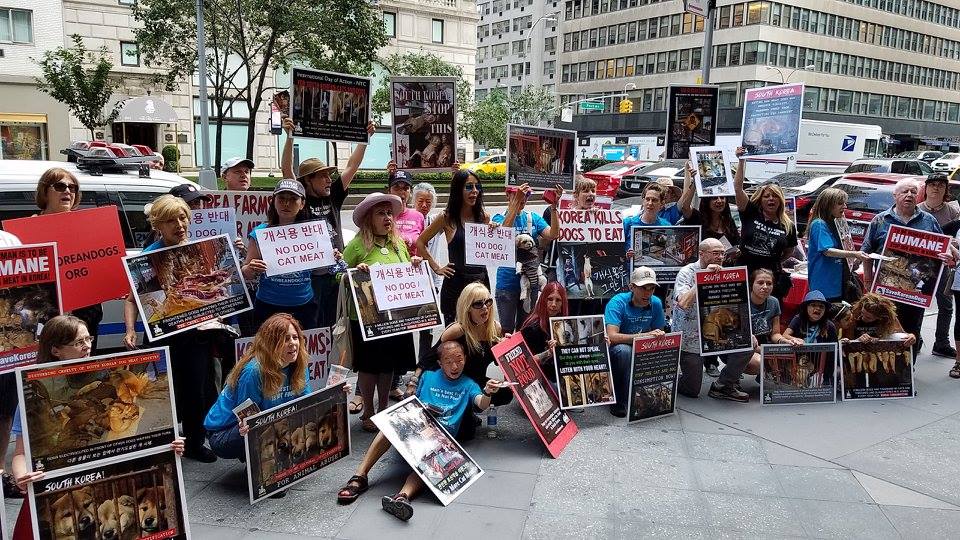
pixel 691 118
pixel 436 457
pixel 29 297
pixel 330 106
pixel 877 370
pixel 377 322
pixel 771 119
pixel 181 287
pixel 541 157
pixel 318 350
pixel 90 252
pixel 723 311
pixel 665 249
pixel 909 270
pixel 654 370
pixel 294 440
pixel 582 361
pixel 489 246
pixel 424 111
pixel 291 248
pixel 210 222
pixel 804 374
pixel 591 262
pixel 250 207
pixel 534 393
pixel 83 411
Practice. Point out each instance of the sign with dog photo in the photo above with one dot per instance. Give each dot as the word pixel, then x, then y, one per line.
pixel 591 260
pixel 665 249
pixel 582 360
pixel 329 106
pixel 723 311
pixel 534 393
pixel 712 174
pixel 877 370
pixel 424 114
pixel 89 410
pixel 436 457
pixel 376 323
pixel 654 370
pixel 804 374
pixel 29 297
pixel 181 287
pixel 691 118
pixel 909 267
pixel 771 119
pixel 318 352
pixel 292 441
pixel 133 496
pixel 540 157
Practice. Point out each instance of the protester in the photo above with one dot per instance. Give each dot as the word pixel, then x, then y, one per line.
pixel 649 217
pixel 410 222
pixel 536 329
pixel 445 390
pixel 190 350
pixel 377 242
pixel 685 319
pixel 465 205
pixel 938 204
pixel 629 315
pixel 191 195
pixel 827 268
pixel 671 196
pixel 424 197
pixel 235 173
pixel 510 304
pixel 871 318
pixel 8 401
pixel 712 215
pixel 764 316
pixel 811 324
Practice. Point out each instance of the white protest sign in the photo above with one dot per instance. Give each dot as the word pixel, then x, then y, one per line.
pixel 250 207
pixel 590 225
pixel 489 246
pixel 397 286
pixel 292 248
pixel 210 222
pixel 318 349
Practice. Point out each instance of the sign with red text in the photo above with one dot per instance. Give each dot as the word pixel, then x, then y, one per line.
pixel 378 322
pixel 489 246
pixel 318 350
pixel 90 250
pixel 590 225
pixel 723 311
pixel 210 222
pixel 591 258
pixel 771 119
pixel 654 370
pixel 397 286
pixel 29 297
pixel 534 393
pixel 910 269
pixel 250 207
pixel 292 248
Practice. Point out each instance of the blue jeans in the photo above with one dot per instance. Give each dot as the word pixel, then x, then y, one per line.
pixel 621 356
pixel 227 443
pixel 510 308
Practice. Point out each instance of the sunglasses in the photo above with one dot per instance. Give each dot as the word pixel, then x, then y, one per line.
pixel 480 304
pixel 472 187
pixel 61 187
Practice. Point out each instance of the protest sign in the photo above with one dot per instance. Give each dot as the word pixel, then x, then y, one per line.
pixel 132 496
pixel 771 119
pixel 591 260
pixel 436 457
pixel 29 297
pixel 600 202
pixel 880 369
pixel 804 374
pixel 376 323
pixel 665 249
pixel 846 238
pixel 294 440
pixel 712 174
pixel 910 270
pixel 180 287
pixel 654 369
pixel 489 246
pixel 582 361
pixel 90 249
pixel 537 398
pixel 723 311
pixel 691 118
pixel 318 350
pixel 250 207
pixel 330 106
pixel 424 114
pixel 540 157
pixel 81 411
pixel 402 285
pixel 207 223
pixel 292 248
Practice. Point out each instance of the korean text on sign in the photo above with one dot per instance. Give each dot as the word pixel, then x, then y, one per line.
pixel 397 286
pixel 292 248
pixel 210 222
pixel 490 246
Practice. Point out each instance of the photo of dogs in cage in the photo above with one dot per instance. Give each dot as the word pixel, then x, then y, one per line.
pixel 126 500
pixel 804 374
pixel 97 408
pixel 23 311
pixel 908 272
pixel 541 157
pixel 424 122
pixel 878 369
pixel 664 248
pixel 377 324
pixel 651 400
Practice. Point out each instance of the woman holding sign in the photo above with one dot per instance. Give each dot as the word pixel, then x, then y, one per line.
pixel 827 270
pixel 536 329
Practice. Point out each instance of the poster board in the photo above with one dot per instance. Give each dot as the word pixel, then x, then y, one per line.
pixel 294 440
pixel 489 246
pixel 286 249
pixel 665 250
pixel 376 323
pixel 424 127
pixel 534 393
pixel 804 374
pixel 654 371
pixel 771 119
pixel 591 258
pixel 712 174
pixel 401 285
pixel 29 297
pixel 330 106
pixel 877 370
pixel 582 360
pixel 319 341
pixel 691 118
pixel 723 311
pixel 540 157
pixel 910 270
pixel 250 207
pixel 210 222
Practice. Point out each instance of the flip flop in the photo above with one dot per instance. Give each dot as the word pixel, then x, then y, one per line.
pixel 355 406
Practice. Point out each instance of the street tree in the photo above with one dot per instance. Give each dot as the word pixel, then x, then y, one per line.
pixel 485 120
pixel 420 64
pixel 80 79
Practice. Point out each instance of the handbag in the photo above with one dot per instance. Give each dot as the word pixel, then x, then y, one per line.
pixel 341 348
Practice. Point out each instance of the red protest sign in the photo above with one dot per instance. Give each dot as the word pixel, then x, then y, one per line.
pixel 90 250
pixel 29 297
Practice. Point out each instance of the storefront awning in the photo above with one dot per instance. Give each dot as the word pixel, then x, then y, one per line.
pixel 23 118
pixel 148 110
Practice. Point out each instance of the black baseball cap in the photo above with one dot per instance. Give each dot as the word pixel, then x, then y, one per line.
pixel 189 193
pixel 400 176
pixel 937 177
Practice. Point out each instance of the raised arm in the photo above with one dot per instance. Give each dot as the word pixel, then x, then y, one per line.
pixel 686 198
pixel 286 157
pixel 353 164
pixel 742 199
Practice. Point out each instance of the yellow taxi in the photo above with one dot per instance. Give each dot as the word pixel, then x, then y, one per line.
pixel 490 164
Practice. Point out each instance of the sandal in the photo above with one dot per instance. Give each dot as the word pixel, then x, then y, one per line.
pixel 357 485
pixel 356 405
pixel 367 425
pixel 397 506
pixel 955 372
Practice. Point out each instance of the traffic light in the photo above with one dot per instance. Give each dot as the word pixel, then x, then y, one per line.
pixel 626 106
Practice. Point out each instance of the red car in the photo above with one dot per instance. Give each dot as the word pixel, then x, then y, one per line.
pixel 609 176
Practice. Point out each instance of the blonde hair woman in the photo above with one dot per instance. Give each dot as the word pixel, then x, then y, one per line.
pixel 827 270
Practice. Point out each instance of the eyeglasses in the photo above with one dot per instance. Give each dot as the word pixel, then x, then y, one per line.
pixel 61 187
pixel 472 187
pixel 81 341
pixel 480 304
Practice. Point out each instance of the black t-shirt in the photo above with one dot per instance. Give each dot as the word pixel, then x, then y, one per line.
pixel 764 243
pixel 696 218
pixel 537 339
pixel 328 209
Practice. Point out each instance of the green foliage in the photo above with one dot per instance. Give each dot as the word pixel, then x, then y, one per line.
pixel 80 79
pixel 485 121
pixel 422 64
pixel 589 164
pixel 171 158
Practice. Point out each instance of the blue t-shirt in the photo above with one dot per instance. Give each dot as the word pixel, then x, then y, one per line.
pixel 16 428
pixel 631 319
pixel 221 415
pixel 671 213
pixel 154 246
pixel 634 221
pixel 451 397
pixel 289 290
pixel 824 273
pixel 507 277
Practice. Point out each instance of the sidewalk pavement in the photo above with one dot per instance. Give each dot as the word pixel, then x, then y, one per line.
pixel 717 469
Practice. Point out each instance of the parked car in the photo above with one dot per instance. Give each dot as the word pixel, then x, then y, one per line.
pixel 632 184
pixel 802 186
pixel 923 155
pixel 609 177
pixel 895 166
pixel 491 164
pixel 947 163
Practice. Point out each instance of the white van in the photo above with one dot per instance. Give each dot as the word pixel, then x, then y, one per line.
pixel 128 192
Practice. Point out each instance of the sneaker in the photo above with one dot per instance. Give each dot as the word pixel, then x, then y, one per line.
pixel 398 506
pixel 713 371
pixel 728 392
pixel 202 454
pixel 945 351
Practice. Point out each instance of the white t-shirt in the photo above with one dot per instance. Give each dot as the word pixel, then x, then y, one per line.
pixel 9 240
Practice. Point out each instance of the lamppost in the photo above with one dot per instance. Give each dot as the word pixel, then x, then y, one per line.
pixel 207 178
pixel 523 69
pixel 785 80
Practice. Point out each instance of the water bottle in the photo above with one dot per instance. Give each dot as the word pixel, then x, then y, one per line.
pixel 492 422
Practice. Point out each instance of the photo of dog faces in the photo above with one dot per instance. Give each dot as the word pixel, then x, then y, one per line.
pixel 652 400
pixel 583 331
pixel 880 369
pixel 724 327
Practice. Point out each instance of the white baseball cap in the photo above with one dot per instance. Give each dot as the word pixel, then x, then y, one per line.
pixel 643 276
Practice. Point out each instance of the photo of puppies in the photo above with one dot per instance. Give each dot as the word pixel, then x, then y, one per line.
pixel 378 324
pixel 877 370
pixel 582 361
